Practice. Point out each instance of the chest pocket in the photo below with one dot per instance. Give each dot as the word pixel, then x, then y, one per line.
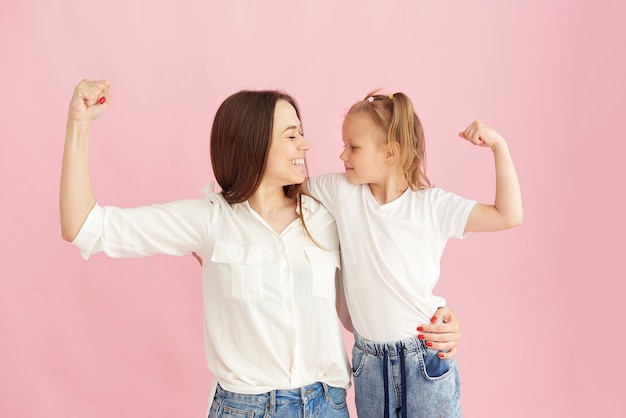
pixel 240 270
pixel 324 265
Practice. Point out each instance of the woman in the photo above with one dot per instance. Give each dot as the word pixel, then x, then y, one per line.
pixel 272 339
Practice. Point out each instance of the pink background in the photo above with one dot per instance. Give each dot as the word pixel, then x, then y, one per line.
pixel 541 305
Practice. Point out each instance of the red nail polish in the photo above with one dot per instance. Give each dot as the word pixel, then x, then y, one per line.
pixel 420 328
pixel 433 319
pixel 429 344
pixel 440 355
pixel 421 337
pixel 102 100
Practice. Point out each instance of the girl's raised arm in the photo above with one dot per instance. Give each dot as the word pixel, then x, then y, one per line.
pixel 506 212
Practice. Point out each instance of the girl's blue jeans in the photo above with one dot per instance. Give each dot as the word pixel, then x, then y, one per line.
pixel 403 379
pixel 315 401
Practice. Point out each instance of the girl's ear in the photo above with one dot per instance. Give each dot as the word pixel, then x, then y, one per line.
pixel 393 152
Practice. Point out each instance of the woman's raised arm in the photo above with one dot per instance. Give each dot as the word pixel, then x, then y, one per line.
pixel 89 100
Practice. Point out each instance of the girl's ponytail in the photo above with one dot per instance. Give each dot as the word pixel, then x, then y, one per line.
pixel 405 128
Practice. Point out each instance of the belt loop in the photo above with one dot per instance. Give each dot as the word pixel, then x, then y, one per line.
pixel 326 395
pixel 272 402
pixel 303 395
pixel 303 400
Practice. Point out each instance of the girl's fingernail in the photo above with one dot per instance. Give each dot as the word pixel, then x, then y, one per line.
pixel 102 100
pixel 429 344
pixel 433 319
pixel 440 355
pixel 420 329
pixel 420 336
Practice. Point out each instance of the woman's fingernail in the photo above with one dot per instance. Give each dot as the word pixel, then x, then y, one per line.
pixel 102 100
pixel 440 355
pixel 433 319
pixel 420 328
pixel 420 336
pixel 429 344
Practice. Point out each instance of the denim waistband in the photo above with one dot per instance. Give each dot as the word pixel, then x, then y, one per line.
pixel 408 345
pixel 279 396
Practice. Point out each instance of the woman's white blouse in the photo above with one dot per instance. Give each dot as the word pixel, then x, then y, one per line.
pixel 269 299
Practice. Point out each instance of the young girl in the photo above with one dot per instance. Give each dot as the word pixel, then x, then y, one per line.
pixel 393 226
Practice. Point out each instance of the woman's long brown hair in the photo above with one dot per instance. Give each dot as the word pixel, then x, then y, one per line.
pixel 240 143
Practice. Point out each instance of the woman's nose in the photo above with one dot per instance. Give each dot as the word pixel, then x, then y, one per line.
pixel 304 144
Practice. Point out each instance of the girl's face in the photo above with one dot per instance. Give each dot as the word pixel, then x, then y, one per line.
pixel 365 151
pixel 285 161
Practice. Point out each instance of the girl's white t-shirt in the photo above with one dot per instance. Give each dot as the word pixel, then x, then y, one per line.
pixel 391 253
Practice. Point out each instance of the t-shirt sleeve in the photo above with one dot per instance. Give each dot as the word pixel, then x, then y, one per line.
pixel 326 188
pixel 451 213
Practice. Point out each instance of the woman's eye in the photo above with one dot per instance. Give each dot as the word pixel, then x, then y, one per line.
pixel 295 136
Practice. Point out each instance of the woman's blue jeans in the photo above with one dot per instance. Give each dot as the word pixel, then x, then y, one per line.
pixel 314 401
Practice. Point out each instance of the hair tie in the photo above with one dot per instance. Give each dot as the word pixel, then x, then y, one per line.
pixel 378 97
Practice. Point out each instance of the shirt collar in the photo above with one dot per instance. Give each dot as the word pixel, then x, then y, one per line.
pixel 309 205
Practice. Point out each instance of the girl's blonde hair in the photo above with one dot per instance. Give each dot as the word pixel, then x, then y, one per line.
pixel 395 116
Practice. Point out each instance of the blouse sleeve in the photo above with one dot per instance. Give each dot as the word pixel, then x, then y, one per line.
pixel 174 228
